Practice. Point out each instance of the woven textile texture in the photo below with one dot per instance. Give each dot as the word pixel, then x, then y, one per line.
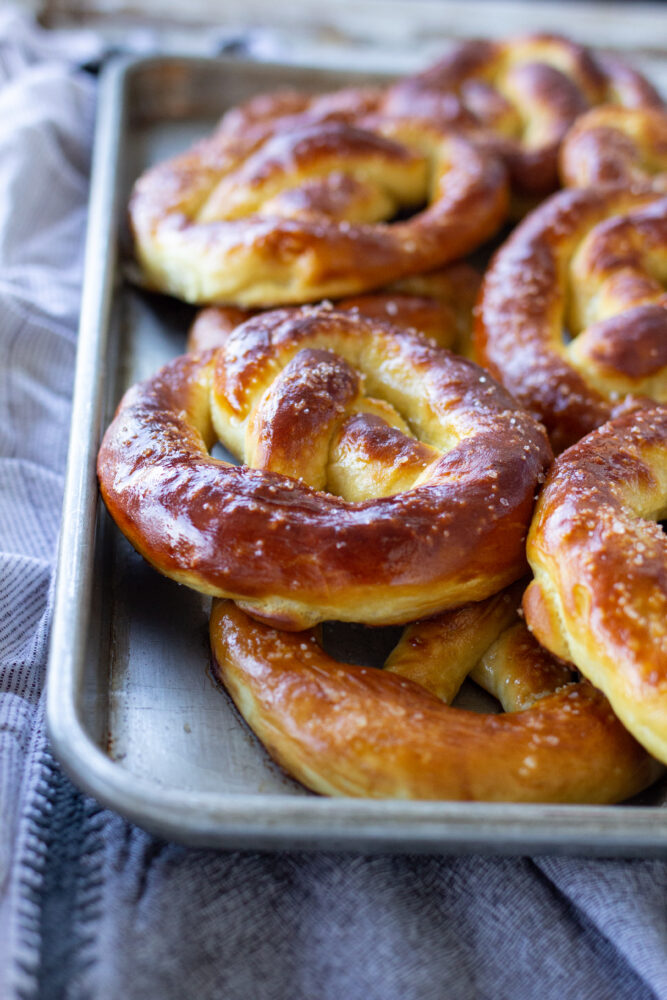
pixel 92 908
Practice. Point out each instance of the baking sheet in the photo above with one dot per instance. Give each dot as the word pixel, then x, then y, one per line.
pixel 132 710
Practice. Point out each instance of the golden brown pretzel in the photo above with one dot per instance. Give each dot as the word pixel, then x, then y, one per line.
pixel 351 730
pixel 527 91
pixel 438 304
pixel 617 145
pixel 572 315
pixel 599 597
pixel 298 207
pixel 450 513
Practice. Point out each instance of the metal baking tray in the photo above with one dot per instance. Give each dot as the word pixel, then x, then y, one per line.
pixel 133 713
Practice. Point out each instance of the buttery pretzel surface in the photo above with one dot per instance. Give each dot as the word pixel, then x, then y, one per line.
pixel 599 598
pixel 343 729
pixel 617 145
pixel 572 315
pixel 527 91
pixel 438 304
pixel 286 393
pixel 298 207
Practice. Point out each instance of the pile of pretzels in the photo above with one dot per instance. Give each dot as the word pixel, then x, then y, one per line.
pixel 395 416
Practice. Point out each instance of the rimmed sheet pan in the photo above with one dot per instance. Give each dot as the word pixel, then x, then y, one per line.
pixel 133 713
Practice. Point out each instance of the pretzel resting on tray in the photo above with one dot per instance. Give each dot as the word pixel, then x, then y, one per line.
pixel 449 459
pixel 572 316
pixel 599 597
pixel 299 207
pixel 524 93
pixel 343 729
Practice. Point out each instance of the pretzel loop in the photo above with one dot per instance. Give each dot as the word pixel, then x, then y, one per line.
pixel 572 316
pixel 343 729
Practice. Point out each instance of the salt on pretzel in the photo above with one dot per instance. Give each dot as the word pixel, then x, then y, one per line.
pixel 572 314
pixel 525 91
pixel 438 304
pixel 617 145
pixel 343 729
pixel 599 598
pixel 299 207
pixel 286 394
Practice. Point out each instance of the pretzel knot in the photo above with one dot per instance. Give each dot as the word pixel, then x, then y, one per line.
pixel 300 207
pixel 449 509
pixel 527 92
pixel 599 598
pixel 572 317
pixel 343 729
pixel 616 145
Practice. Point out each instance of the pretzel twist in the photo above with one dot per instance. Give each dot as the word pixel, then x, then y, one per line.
pixel 526 92
pixel 286 394
pixel 617 145
pixel 599 597
pixel 572 314
pixel 343 729
pixel 289 209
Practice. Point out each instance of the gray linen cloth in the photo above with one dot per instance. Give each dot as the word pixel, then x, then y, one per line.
pixel 92 907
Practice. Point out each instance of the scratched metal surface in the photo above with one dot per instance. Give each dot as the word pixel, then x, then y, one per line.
pixel 133 712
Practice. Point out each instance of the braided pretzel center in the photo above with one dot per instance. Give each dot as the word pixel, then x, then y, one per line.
pixel 618 306
pixel 349 443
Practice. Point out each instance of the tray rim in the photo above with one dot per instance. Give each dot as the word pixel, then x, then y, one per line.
pixel 245 820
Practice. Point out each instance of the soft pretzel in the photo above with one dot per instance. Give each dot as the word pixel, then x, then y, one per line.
pixel 299 207
pixel 599 597
pixel 343 729
pixel 438 304
pixel 572 313
pixel 617 145
pixel 527 91
pixel 285 393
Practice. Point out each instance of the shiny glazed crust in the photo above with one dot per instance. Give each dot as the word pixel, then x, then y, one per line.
pixel 616 145
pixel 587 265
pixel 320 397
pixel 526 92
pixel 342 729
pixel 599 597
pixel 295 205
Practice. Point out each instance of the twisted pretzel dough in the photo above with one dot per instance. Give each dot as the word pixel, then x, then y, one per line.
pixel 449 517
pixel 271 210
pixel 438 304
pixel 589 265
pixel 616 145
pixel 342 729
pixel 527 91
pixel 599 597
